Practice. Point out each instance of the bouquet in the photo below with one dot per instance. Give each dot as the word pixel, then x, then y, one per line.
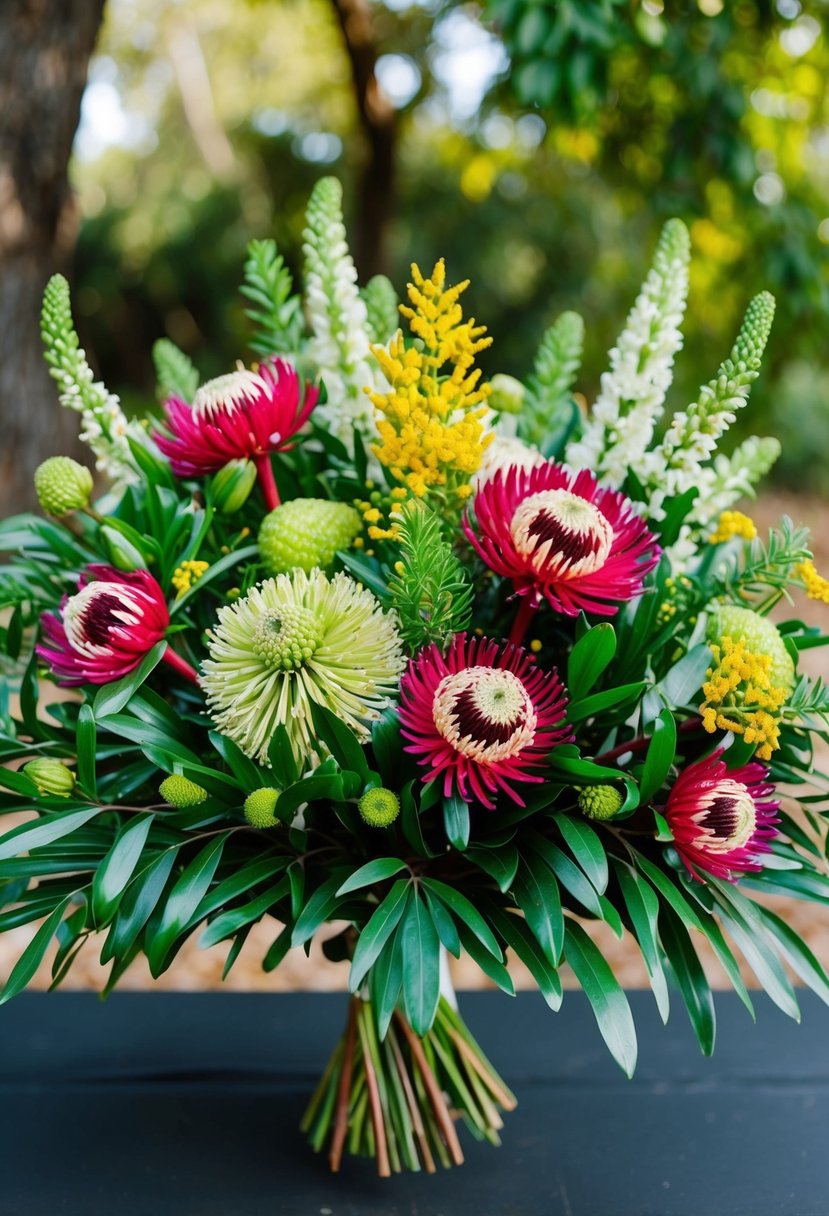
pixel 351 638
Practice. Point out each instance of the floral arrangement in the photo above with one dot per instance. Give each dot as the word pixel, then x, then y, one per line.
pixel 353 637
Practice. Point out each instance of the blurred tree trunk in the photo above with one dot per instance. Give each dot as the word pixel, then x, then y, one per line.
pixel 45 46
pixel 377 118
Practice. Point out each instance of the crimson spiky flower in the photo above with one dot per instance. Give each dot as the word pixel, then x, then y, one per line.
pixel 559 536
pixel 104 631
pixel 722 821
pixel 482 717
pixel 244 415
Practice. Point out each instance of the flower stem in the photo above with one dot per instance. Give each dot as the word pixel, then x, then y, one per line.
pixel 180 665
pixel 267 481
pixel 524 616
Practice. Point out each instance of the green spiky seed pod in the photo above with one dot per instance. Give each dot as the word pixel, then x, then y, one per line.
pixel 181 792
pixel 506 394
pixel 760 636
pixel 51 777
pixel 379 807
pixel 62 485
pixel 260 807
pixel 306 533
pixel 600 801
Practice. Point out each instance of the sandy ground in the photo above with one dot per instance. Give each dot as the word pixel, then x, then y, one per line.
pixel 195 969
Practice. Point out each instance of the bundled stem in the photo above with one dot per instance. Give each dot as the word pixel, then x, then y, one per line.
pixel 396 1098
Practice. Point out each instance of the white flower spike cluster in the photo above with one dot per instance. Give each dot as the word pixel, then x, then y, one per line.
pixel 619 431
pixel 338 318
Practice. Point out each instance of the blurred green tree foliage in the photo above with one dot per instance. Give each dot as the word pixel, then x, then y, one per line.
pixel 541 162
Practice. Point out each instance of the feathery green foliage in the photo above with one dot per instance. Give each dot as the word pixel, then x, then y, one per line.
pixel 430 590
pixel 556 367
pixel 175 374
pixel 277 312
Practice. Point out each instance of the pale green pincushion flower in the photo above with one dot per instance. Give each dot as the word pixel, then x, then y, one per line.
pixel 293 641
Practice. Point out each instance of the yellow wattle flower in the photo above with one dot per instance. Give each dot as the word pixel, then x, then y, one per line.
pixel 731 524
pixel 739 696
pixel 816 587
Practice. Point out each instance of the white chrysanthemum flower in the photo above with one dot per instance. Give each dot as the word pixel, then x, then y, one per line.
pixel 295 641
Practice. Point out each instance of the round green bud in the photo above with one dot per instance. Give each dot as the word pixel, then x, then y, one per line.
pixel 760 636
pixel 305 533
pixel 379 807
pixel 181 792
pixel 51 777
pixel 122 553
pixel 600 801
pixel 62 485
pixel 232 485
pixel 260 807
pixel 506 394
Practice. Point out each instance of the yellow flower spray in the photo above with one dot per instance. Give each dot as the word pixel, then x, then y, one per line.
pixel 740 697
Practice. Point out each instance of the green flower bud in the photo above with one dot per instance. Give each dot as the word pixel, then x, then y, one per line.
pixel 600 801
pixel 62 485
pixel 506 394
pixel 305 533
pixel 122 553
pixel 260 807
pixel 760 636
pixel 181 792
pixel 379 807
pixel 51 777
pixel 232 485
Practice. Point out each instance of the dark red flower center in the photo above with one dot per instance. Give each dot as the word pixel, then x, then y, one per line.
pixel 562 534
pixel 99 618
pixel 90 616
pixel 485 713
pixel 727 817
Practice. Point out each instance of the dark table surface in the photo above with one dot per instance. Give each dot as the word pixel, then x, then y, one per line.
pixel 159 1104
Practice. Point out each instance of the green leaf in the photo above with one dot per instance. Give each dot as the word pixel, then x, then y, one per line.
pixel 249 553
pixel 234 919
pixel 277 950
pixel 589 658
pixel 115 871
pixel 111 698
pixel 373 871
pixel 317 910
pixel 599 702
pixel 238 883
pixel 643 909
pixel 281 758
pixel 660 756
pixel 341 742
pixel 420 946
pixel 85 745
pixel 669 892
pixel 386 982
pixel 45 830
pixel 570 876
pixel 445 925
pixel 496 971
pixel 690 977
pixel 537 895
pixel 518 937
pixel 29 961
pixel 388 746
pixel 377 931
pixel 456 821
pixel 499 862
pixel 586 847
pixel 744 924
pixel 248 774
pixel 727 960
pixel 137 905
pixel 602 989
pixel 685 677
pixel 465 911
pixel 797 954
pixel 187 893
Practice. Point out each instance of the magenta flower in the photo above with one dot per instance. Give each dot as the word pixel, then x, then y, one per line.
pixel 104 631
pixel 244 415
pixel 481 718
pixel 559 537
pixel 722 821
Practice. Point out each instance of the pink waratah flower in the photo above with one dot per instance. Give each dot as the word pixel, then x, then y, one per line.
pixel 721 820
pixel 559 536
pixel 481 718
pixel 105 630
pixel 243 415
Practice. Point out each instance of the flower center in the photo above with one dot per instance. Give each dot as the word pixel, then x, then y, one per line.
pixel 287 637
pixel 561 534
pixel 89 616
pixel 485 713
pixel 227 392
pixel 727 818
